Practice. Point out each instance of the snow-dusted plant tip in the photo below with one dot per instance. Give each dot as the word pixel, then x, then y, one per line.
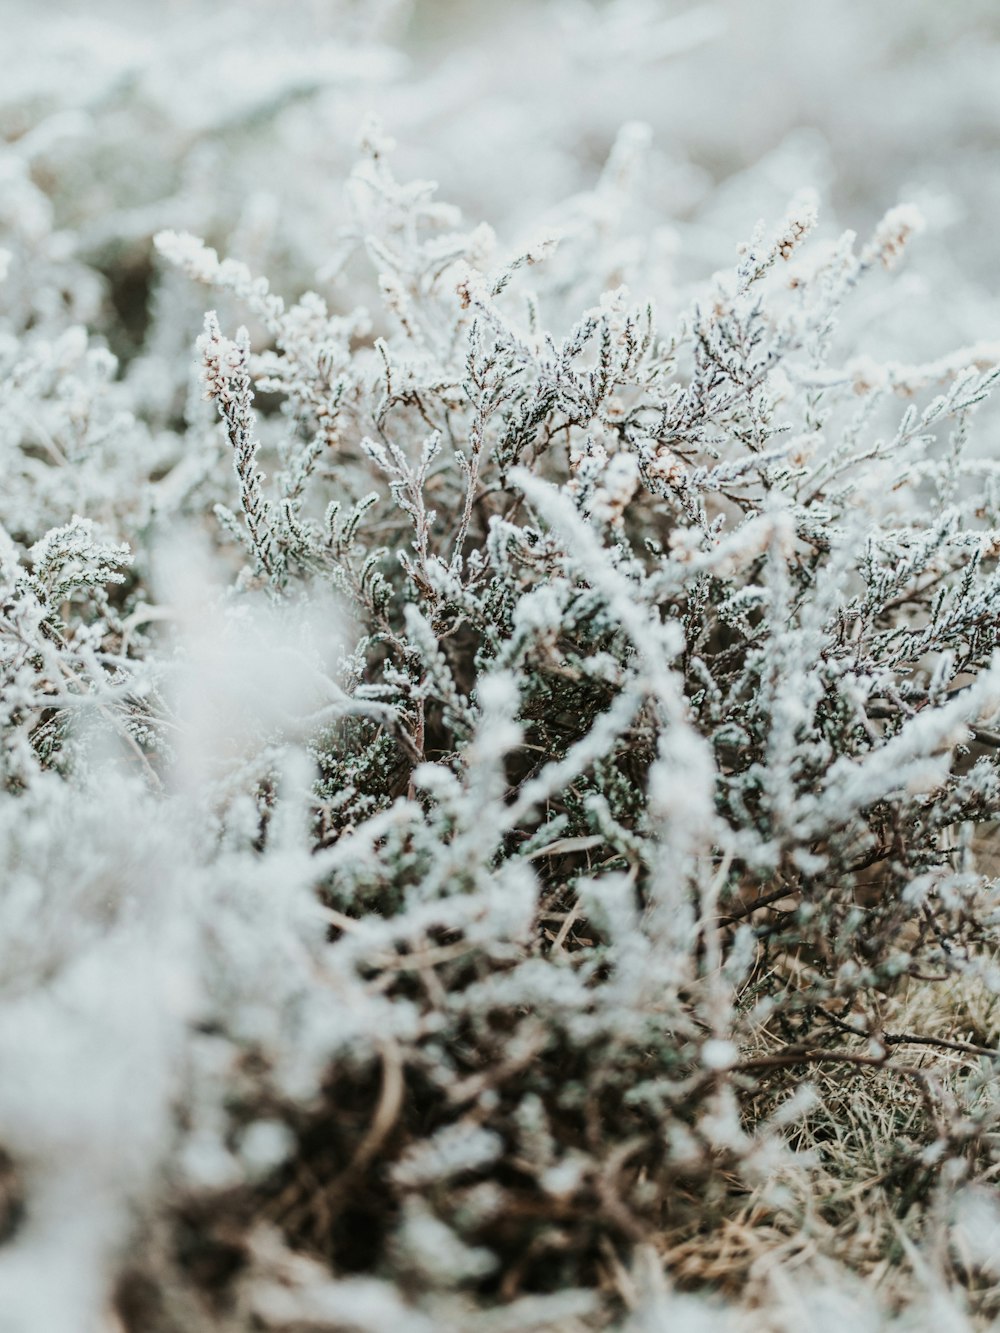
pixel 498 763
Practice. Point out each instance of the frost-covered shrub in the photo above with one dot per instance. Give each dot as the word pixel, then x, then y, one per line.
pixel 496 802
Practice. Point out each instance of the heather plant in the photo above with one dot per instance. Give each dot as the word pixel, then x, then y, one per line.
pixel 498 775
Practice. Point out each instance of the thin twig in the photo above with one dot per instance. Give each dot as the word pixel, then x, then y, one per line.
pixel 914 1039
pixel 764 900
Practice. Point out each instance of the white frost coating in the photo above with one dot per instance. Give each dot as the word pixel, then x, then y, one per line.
pixel 917 759
pixel 454 1150
pixel 458 781
pixel 717 1054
